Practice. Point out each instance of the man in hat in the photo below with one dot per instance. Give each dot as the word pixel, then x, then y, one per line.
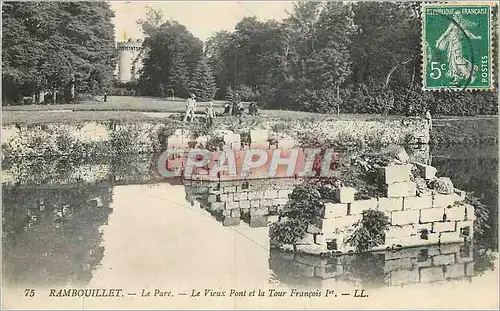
pixel 190 108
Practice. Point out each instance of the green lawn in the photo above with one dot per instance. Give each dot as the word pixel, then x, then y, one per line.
pixel 117 103
pixel 144 108
pixel 138 108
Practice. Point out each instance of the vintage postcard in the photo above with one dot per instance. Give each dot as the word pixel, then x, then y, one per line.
pixel 249 155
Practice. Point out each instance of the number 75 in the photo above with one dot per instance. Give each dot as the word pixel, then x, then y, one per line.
pixel 436 70
pixel 29 292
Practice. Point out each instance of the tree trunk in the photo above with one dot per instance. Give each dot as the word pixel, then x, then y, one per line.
pixel 394 68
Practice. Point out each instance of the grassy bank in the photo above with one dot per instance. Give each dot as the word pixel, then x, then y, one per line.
pixel 117 103
pixel 446 131
pixel 142 108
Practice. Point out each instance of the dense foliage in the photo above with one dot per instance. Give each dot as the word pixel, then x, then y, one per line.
pixel 172 55
pixel 336 57
pixel 202 83
pixel 326 57
pixel 47 45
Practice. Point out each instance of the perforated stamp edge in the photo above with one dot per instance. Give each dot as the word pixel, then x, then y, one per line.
pixel 424 5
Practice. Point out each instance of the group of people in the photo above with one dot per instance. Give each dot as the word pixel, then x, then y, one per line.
pixel 191 109
pixel 236 109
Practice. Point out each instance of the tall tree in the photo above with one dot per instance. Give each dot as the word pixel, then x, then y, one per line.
pixel 46 44
pixel 386 47
pixel 203 83
pixel 220 57
pixel 179 76
pixel 329 64
pixel 171 52
pixel 154 19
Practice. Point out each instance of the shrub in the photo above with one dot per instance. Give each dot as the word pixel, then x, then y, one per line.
pixel 245 138
pixel 362 172
pixel 215 143
pixel 369 98
pixel 305 203
pixel 370 231
pixel 287 231
pixel 247 93
pixel 481 212
pixel 322 101
pixel 304 206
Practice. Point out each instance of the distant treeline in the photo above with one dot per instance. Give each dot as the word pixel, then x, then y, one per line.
pixel 325 57
pixel 356 57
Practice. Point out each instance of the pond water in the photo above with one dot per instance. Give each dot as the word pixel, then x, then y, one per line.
pixel 115 230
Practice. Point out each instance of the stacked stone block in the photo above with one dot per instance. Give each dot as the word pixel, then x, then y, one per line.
pixel 398 181
pixel 259 140
pixel 255 201
pixel 424 264
pixel 435 218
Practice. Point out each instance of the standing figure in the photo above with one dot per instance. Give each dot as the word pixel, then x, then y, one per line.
pixel 210 112
pixel 429 119
pixel 105 96
pixel 236 102
pixel 72 89
pixel 54 96
pixel 41 97
pixel 451 42
pixel 190 108
pixel 240 109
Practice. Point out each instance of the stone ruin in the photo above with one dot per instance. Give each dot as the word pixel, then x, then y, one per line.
pixel 222 140
pixel 257 202
pixel 422 209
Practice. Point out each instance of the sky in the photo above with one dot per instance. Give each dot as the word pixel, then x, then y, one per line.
pixel 202 18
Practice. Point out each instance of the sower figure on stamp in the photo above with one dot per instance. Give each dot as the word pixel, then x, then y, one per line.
pixel 451 42
pixel 190 108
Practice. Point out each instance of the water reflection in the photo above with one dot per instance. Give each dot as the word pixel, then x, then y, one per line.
pixel 256 202
pixel 389 268
pixel 54 213
pixel 51 234
pixel 474 170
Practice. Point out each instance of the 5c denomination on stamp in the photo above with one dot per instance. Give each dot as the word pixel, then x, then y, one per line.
pixel 457 46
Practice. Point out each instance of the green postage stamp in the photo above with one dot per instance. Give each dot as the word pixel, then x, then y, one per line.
pixel 457 46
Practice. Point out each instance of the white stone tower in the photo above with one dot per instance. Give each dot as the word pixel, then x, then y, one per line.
pixel 129 60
